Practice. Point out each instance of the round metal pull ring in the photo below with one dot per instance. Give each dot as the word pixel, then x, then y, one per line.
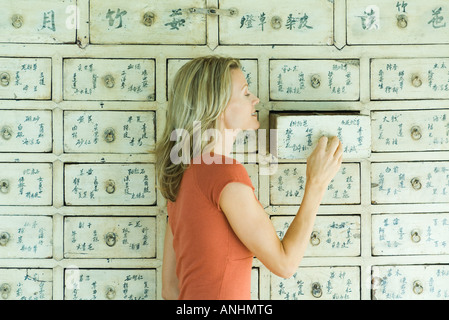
pixel 4 238
pixel 110 186
pixel 417 287
pixel 148 19
pixel 317 292
pixel 5 78
pixel 276 22
pixel 109 135
pixel 314 239
pixel 315 81
pixel 416 184
pixel 109 81
pixel 415 132
pixel 5 290
pixel 110 293
pixel 110 239
pixel 415 236
pixel 402 21
pixel 4 186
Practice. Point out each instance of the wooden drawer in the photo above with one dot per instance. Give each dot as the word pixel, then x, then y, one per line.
pixel 421 282
pixel 25 78
pixel 332 236
pixel 314 79
pixel 287 185
pixel 393 79
pixel 25 131
pixel 425 130
pixel 109 131
pixel 26 237
pixel 325 283
pixel 256 22
pixel 110 237
pixel 410 182
pixel 26 184
pixel 410 234
pixel 109 79
pixel 154 22
pixel 109 184
pixel 110 284
pixel 26 284
pixel 397 22
pixel 297 135
pixel 46 21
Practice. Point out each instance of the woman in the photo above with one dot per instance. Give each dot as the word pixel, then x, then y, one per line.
pixel 215 223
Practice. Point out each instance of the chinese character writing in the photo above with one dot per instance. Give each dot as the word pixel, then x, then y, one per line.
pixel 176 22
pixel 118 15
pixel 437 20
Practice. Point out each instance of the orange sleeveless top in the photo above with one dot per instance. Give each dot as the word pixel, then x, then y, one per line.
pixel 211 262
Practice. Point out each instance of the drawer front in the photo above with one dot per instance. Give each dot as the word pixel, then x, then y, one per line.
pixel 253 173
pixel 109 131
pixel 109 184
pixel 25 78
pixel 153 22
pixel 394 131
pixel 46 21
pixel 26 284
pixel 287 185
pixel 397 22
pixel 25 131
pixel 255 22
pixel 26 184
pixel 314 79
pixel 393 79
pixel 406 234
pixel 109 237
pixel 410 182
pixel 109 284
pixel 297 135
pixel 325 283
pixel 410 282
pixel 332 236
pixel 109 79
pixel 26 237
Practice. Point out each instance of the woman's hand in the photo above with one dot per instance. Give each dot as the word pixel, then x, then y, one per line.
pixel 324 162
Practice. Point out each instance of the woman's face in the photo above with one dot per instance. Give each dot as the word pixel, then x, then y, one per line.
pixel 240 113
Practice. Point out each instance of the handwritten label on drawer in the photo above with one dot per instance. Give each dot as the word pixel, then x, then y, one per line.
pixel 46 22
pixel 410 130
pixel 109 284
pixel 26 284
pixel 404 234
pixel 410 282
pixel 109 131
pixel 109 79
pixel 110 237
pixel 25 78
pixel 154 22
pixel 287 185
pixel 314 79
pixel 325 283
pixel 410 182
pixel 332 236
pixel 297 135
pixel 26 237
pixel 397 22
pixel 25 131
pixel 110 184
pixel 255 22
pixel 26 184
pixel 407 79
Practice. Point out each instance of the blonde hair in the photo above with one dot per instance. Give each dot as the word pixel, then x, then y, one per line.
pixel 200 93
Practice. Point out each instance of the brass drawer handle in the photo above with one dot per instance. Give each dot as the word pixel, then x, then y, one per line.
pixel 109 135
pixel 110 239
pixel 109 81
pixel 416 81
pixel 110 186
pixel 5 290
pixel 417 287
pixel 314 239
pixel 415 236
pixel 148 18
pixel 4 238
pixel 317 292
pixel 315 81
pixel 415 132
pixel 276 22
pixel 110 292
pixel 416 184
pixel 4 186
pixel 6 132
pixel 17 21
pixel 5 78
pixel 402 21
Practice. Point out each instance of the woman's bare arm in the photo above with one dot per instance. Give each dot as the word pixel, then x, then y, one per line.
pixel 170 290
pixel 253 226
